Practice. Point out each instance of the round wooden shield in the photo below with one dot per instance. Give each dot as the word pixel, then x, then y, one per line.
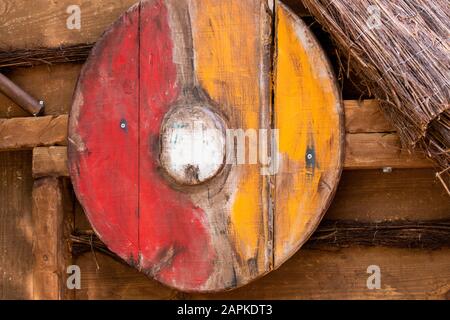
pixel 206 141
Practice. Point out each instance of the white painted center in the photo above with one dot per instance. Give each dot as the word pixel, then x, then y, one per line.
pixel 193 144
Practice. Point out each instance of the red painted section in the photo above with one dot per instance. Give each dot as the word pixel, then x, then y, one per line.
pixel 174 242
pixel 105 172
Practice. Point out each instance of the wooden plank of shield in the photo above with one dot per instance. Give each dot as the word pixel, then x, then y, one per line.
pixel 160 202
pixel 218 229
pixel 309 116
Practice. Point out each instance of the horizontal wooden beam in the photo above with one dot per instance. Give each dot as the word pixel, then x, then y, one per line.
pixel 364 151
pixel 365 116
pixel 31 132
pixel 29 24
pixel 310 274
pixel 371 142
pixel 360 117
pixel 380 150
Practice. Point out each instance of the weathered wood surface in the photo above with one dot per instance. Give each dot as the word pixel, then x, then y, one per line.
pixel 40 23
pixel 375 150
pixel 26 133
pixel 342 274
pixel 51 246
pixel 375 196
pixel 308 113
pixel 365 116
pixel 16 232
pixel 53 161
pixel 310 274
pixel 381 148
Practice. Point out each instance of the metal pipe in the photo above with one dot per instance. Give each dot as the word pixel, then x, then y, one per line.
pixel 19 96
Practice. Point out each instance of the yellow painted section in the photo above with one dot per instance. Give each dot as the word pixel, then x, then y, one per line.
pixel 227 63
pixel 306 115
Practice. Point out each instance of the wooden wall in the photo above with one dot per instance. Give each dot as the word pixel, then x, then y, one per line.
pixel 30 255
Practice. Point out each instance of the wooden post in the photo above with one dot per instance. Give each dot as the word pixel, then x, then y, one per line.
pixel 51 247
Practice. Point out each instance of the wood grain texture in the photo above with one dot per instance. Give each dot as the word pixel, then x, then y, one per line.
pixel 16 229
pixel 51 161
pixel 428 234
pixel 370 150
pixel 341 274
pixel 375 196
pixel 309 115
pixel 115 280
pixel 26 133
pixel 365 116
pixel 324 273
pixel 48 244
pixel 41 23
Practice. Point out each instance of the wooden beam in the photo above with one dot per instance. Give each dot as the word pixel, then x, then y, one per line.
pixel 326 273
pixel 364 151
pixel 52 84
pixel 379 150
pixel 342 274
pixel 50 161
pixel 365 116
pixel 16 231
pixel 27 133
pixel 47 21
pixel 375 196
pixel 48 217
pixel 371 142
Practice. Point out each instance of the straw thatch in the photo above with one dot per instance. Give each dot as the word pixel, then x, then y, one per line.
pixel 401 51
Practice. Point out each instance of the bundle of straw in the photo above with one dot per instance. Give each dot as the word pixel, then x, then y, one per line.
pixel 401 51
